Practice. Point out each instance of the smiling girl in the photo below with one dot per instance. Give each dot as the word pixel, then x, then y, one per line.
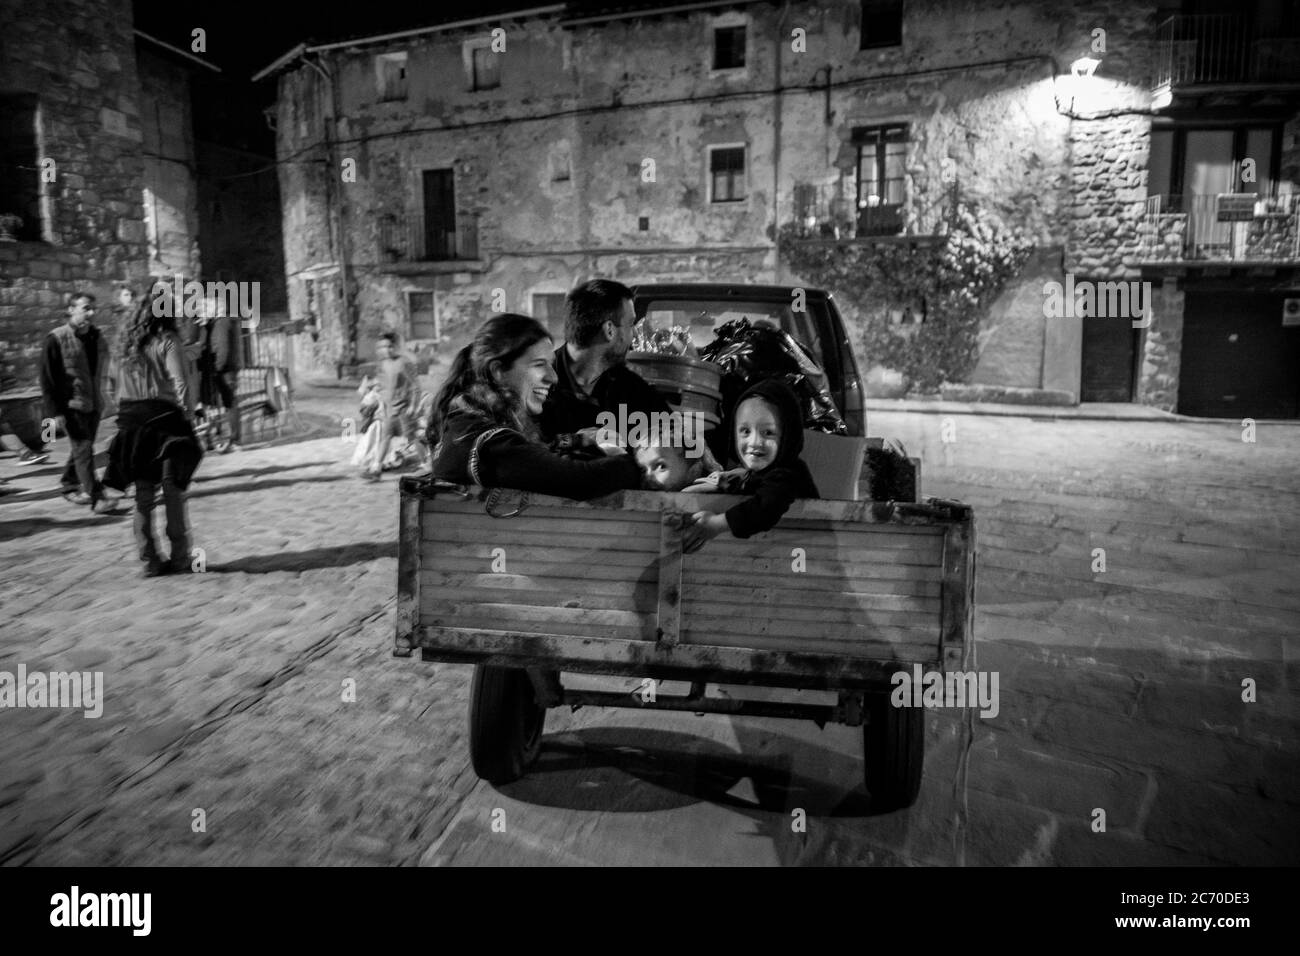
pixel 483 430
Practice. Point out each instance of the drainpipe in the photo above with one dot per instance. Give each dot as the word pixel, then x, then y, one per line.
pixel 336 216
pixel 776 146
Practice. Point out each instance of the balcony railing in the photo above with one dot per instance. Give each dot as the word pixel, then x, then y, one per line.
pixel 1221 48
pixel 408 238
pixel 827 212
pixel 1239 227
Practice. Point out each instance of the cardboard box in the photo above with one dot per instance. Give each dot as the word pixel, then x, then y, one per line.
pixel 835 462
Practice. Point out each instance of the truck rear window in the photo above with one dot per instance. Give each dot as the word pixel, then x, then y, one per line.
pixel 703 317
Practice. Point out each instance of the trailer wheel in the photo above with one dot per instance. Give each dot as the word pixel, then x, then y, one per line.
pixel 505 723
pixel 893 742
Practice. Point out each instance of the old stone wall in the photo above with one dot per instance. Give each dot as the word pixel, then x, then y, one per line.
pixel 77 57
pixel 171 193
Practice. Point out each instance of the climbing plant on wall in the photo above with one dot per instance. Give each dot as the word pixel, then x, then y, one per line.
pixel 956 281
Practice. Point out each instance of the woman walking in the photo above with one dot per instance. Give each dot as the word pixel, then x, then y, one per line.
pixel 482 427
pixel 155 442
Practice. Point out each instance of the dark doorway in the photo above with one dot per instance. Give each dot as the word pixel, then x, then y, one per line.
pixel 1110 348
pixel 1239 360
pixel 439 214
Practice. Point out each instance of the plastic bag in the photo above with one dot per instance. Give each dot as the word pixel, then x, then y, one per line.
pixel 750 353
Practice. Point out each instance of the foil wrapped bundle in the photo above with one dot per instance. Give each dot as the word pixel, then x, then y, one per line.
pixel 671 341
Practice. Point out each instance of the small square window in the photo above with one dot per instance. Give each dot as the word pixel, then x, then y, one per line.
pixel 882 24
pixel 727 174
pixel 643 223
pixel 485 68
pixel 729 48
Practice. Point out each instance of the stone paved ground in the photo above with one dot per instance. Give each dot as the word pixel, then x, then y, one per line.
pixel 1120 690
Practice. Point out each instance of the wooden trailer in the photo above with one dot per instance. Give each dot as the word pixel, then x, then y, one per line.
pixel 838 597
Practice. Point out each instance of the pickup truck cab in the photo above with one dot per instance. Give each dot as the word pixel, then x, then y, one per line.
pixel 840 596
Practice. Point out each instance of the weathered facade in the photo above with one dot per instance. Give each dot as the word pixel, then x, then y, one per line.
pixel 432 176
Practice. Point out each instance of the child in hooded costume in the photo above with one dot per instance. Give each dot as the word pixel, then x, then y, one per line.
pixel 766 439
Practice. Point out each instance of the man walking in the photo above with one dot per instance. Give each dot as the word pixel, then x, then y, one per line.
pixel 73 367
pixel 219 363
pixel 591 365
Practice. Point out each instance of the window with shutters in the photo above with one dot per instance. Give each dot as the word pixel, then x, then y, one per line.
pixel 726 174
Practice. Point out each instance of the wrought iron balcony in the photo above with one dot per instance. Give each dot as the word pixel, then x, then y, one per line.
pixel 1240 227
pixel 826 213
pixel 409 238
pixel 1200 49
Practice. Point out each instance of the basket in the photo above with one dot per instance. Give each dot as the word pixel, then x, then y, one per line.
pixel 689 385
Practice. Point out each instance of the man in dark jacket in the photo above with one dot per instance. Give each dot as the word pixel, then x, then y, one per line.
pixel 591 365
pixel 220 348
pixel 73 367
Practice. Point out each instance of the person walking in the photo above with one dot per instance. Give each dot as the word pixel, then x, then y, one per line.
pixel 155 444
pixel 219 362
pixel 73 367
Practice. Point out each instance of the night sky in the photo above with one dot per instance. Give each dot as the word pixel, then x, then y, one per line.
pixel 243 37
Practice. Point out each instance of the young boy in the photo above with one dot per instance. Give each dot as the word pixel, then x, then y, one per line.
pixel 664 464
pixel 767 437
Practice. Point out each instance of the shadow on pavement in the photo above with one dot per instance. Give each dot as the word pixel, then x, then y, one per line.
pixel 600 769
pixel 30 526
pixel 257 472
pixel 306 560
pixel 263 485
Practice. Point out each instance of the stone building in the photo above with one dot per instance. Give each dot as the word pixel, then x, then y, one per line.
pixel 431 175
pixel 72 138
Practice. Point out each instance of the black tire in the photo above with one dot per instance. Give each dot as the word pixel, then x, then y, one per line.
pixel 893 743
pixel 505 723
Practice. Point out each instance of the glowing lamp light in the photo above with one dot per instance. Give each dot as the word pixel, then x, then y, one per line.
pixel 1085 66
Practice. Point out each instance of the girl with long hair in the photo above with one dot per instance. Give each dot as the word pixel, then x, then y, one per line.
pixel 155 442
pixel 482 428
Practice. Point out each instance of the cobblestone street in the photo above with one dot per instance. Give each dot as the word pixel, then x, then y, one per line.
pixel 224 691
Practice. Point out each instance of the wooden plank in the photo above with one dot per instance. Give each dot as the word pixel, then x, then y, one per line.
pixel 488 622
pixel 555 528
pixel 670 579
pixel 904 535
pixel 793 595
pixel 595 567
pixel 638 658
pixel 818 551
pixel 554 619
pixel 408 575
pixel 847 570
pixel 812 582
pixel 551 556
pixel 509 583
pixel 815 618
pixel 641 600
pixel 863 649
pixel 698 623
pixel 958 585
pixel 653 502
pixel 507 537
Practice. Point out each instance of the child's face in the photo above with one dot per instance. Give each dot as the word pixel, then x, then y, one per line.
pixel 384 349
pixel 758 434
pixel 664 468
